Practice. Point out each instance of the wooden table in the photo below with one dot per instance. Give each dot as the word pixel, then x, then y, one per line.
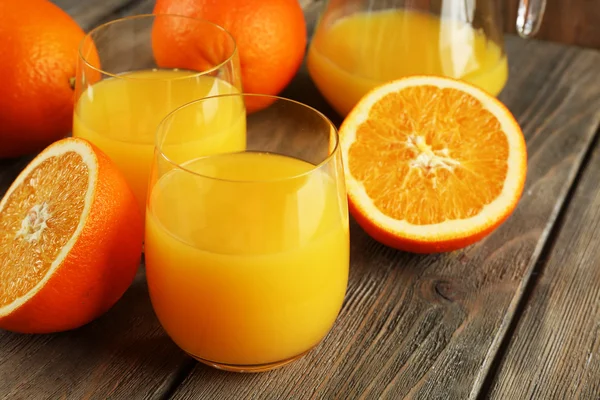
pixel 516 316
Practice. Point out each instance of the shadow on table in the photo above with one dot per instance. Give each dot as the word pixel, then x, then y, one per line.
pixel 302 89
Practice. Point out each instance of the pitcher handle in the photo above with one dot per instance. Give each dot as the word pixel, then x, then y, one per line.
pixel 529 17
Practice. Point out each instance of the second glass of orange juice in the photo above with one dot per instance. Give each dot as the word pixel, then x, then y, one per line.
pixel 132 72
pixel 247 252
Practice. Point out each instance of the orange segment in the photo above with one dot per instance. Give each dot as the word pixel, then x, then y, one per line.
pixel 70 240
pixel 432 164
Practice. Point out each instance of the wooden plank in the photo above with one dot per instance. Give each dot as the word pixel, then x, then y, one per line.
pixel 574 22
pixel 554 352
pixel 410 324
pixel 430 326
pixel 90 13
pixel 124 354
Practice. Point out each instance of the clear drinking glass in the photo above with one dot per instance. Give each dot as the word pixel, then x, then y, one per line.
pixel 360 44
pixel 247 253
pixel 132 72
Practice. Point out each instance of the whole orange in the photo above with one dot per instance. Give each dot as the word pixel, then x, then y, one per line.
pixel 37 63
pixel 270 36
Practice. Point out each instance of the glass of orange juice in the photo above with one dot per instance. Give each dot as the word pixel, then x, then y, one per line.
pixel 132 72
pixel 247 252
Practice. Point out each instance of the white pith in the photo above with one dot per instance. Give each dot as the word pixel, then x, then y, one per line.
pixel 428 159
pixel 85 151
pixel 34 223
pixel 490 213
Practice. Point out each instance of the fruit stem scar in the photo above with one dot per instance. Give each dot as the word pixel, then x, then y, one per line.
pixel 428 159
pixel 34 222
pixel 72 82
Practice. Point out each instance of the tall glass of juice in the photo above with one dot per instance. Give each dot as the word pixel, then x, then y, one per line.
pixel 247 252
pixel 132 72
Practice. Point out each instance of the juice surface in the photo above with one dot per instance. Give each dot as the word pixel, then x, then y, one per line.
pixel 120 115
pixel 247 273
pixel 364 50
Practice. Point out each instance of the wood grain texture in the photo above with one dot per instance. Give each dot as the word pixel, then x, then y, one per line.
pixel 555 350
pixel 429 327
pixel 91 13
pixel 412 326
pixel 566 21
pixel 125 354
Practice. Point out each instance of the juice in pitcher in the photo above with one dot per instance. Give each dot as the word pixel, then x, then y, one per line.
pixel 351 55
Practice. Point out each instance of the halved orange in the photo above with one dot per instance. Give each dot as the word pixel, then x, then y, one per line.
pixel 432 164
pixel 70 240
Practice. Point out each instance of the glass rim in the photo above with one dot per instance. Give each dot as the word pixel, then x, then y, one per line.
pixel 333 150
pixel 89 35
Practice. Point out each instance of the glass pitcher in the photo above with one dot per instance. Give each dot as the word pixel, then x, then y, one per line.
pixel 359 44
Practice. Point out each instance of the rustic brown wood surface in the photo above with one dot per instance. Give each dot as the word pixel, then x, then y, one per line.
pixel 450 326
pixel 124 355
pixel 574 22
pixel 554 352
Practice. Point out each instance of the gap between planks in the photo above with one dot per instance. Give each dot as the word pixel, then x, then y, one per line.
pixel 182 373
pixel 499 347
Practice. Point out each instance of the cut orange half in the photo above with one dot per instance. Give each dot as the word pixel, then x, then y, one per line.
pixel 432 164
pixel 70 240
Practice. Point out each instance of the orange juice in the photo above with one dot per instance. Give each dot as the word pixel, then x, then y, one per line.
pixel 252 271
pixel 120 116
pixel 364 50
